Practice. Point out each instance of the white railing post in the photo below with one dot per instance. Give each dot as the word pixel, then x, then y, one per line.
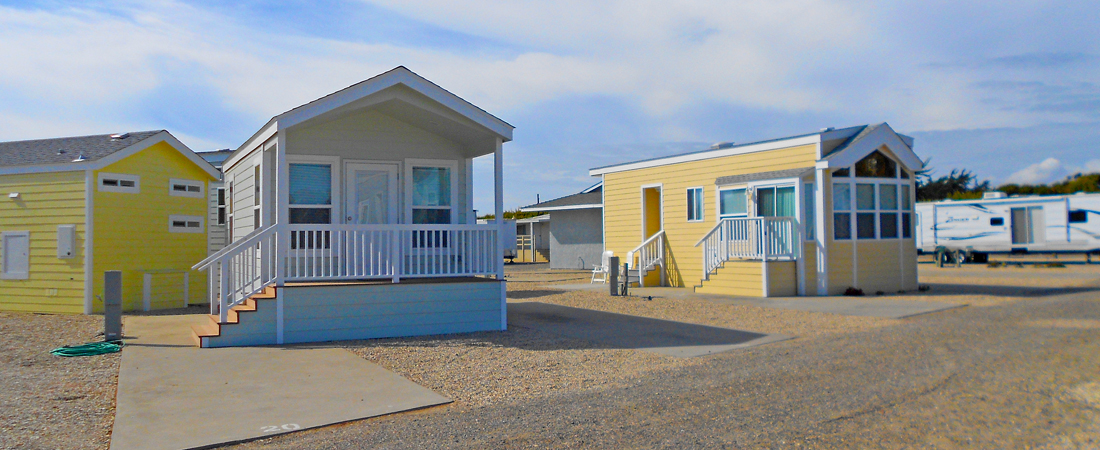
pixel 223 298
pixel 397 260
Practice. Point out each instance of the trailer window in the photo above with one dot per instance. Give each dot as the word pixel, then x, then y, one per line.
pixel 1078 216
pixel 996 221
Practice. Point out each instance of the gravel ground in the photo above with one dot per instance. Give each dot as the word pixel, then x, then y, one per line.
pixel 48 401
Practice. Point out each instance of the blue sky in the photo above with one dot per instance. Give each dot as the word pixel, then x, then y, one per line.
pixel 1008 90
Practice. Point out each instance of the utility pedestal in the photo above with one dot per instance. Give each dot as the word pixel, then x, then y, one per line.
pixel 112 305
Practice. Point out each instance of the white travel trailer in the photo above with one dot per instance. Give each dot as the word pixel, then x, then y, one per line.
pixel 1000 224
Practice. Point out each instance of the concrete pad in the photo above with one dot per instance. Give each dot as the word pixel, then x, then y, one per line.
pixel 883 307
pixel 173 395
pixel 613 330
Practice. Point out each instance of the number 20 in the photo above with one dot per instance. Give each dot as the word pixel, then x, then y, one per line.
pixel 278 428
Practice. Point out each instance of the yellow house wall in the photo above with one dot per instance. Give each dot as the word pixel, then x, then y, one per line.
pixel 623 203
pixel 782 279
pixel 131 230
pixel 46 200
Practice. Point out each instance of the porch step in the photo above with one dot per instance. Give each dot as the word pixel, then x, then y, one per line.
pixel 212 328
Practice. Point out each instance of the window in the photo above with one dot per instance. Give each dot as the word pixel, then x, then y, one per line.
pixel 229 208
pixel 221 206
pixel 116 182
pixel 695 204
pixel 876 165
pixel 808 200
pixel 15 255
pixel 432 192
pixel 775 201
pixel 842 201
pixel 1078 216
pixel 256 198
pixel 184 224
pixel 732 203
pixel 996 221
pixel 185 188
pixel 310 193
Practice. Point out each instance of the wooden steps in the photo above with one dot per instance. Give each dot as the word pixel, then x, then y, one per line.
pixel 212 328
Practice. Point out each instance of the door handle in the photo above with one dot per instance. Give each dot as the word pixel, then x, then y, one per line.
pixel 349 218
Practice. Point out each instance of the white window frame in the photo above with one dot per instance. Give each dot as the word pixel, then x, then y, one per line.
pixel 334 198
pixel 187 184
pixel 4 274
pixel 221 205
pixel 718 217
pixel 411 164
pixel 765 184
pixel 854 181
pixel 700 203
pixel 257 191
pixel 120 177
pixel 172 228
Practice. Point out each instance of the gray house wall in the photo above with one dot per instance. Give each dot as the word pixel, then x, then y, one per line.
pixel 576 238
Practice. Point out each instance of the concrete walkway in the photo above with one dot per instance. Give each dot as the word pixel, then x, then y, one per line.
pixel 613 330
pixel 173 395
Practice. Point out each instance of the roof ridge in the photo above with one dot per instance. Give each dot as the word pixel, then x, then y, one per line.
pixel 82 136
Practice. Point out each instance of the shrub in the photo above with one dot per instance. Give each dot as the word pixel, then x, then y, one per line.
pixel 853 292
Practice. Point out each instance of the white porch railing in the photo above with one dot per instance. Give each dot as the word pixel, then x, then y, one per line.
pixel 649 254
pixel 755 238
pixel 293 253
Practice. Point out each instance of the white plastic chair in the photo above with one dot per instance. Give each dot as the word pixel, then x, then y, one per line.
pixel 602 270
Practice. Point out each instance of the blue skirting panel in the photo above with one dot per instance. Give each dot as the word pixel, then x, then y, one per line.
pixel 335 313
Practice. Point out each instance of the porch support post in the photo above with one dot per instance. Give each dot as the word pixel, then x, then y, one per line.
pixel 820 233
pixel 282 211
pixel 796 240
pixel 498 257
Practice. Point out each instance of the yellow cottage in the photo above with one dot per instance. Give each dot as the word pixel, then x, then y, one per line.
pixel 744 219
pixel 72 208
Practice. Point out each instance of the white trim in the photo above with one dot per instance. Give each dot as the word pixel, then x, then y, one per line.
pixel 187 185
pixel 335 199
pixel 4 274
pixel 468 177
pixel 800 264
pixel 412 163
pixel 820 237
pixel 603 219
pixel 882 136
pixel 589 189
pixel 748 148
pixel 718 201
pixel 702 203
pixel 119 178
pixel 173 228
pixel 89 232
pixel 565 208
pixel 98 164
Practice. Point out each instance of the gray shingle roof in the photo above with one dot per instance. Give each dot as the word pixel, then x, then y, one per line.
pixel 66 149
pixel 789 173
pixel 592 198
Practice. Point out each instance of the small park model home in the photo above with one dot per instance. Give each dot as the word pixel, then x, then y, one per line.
pixel 813 214
pixel 72 208
pixel 351 217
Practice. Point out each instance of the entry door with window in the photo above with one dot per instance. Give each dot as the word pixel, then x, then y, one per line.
pixel 371 194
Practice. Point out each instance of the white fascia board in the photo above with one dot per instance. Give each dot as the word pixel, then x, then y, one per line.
pixel 98 164
pixel 593 187
pixel 563 208
pixel 394 77
pixel 762 147
pixel 257 140
pixel 884 135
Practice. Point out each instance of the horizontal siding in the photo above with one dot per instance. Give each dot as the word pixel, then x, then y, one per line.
pixel 809 256
pixel 243 177
pixel 623 206
pixel 737 278
pixel 782 279
pixel 46 200
pixel 131 230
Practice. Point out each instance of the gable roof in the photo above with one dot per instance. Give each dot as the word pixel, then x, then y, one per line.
pixel 588 198
pixel 399 75
pixel 869 139
pixel 87 152
pixel 66 149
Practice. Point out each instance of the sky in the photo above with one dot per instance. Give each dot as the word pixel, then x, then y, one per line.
pixel 1008 90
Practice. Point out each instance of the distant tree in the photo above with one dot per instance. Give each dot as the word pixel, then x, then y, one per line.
pixel 958 185
pixel 1072 184
pixel 512 215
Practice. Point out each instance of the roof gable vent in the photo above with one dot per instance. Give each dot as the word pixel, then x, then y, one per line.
pixel 119 136
pixel 721 145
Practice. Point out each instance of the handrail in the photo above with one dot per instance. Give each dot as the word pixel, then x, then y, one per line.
pixel 630 254
pixel 248 240
pixel 752 238
pixel 717 226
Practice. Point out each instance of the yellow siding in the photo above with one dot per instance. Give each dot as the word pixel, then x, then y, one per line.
pixel 46 200
pixel 737 278
pixel 131 230
pixel 782 279
pixel 809 255
pixel 623 203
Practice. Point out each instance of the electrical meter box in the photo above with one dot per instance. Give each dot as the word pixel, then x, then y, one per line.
pixel 66 241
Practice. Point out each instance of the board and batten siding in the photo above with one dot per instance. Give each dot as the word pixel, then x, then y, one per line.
pixel 46 200
pixel 131 229
pixel 623 209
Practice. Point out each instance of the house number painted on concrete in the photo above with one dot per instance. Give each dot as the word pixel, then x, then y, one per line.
pixel 278 428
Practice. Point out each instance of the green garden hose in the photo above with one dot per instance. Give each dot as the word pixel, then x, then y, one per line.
pixel 89 349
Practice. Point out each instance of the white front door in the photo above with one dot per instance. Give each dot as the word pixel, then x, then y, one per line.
pixel 370 194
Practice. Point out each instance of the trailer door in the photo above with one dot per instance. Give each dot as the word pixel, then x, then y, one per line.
pixel 1021 232
pixel 1036 224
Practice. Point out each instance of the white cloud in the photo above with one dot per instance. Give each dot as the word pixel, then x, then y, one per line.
pixel 1043 172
